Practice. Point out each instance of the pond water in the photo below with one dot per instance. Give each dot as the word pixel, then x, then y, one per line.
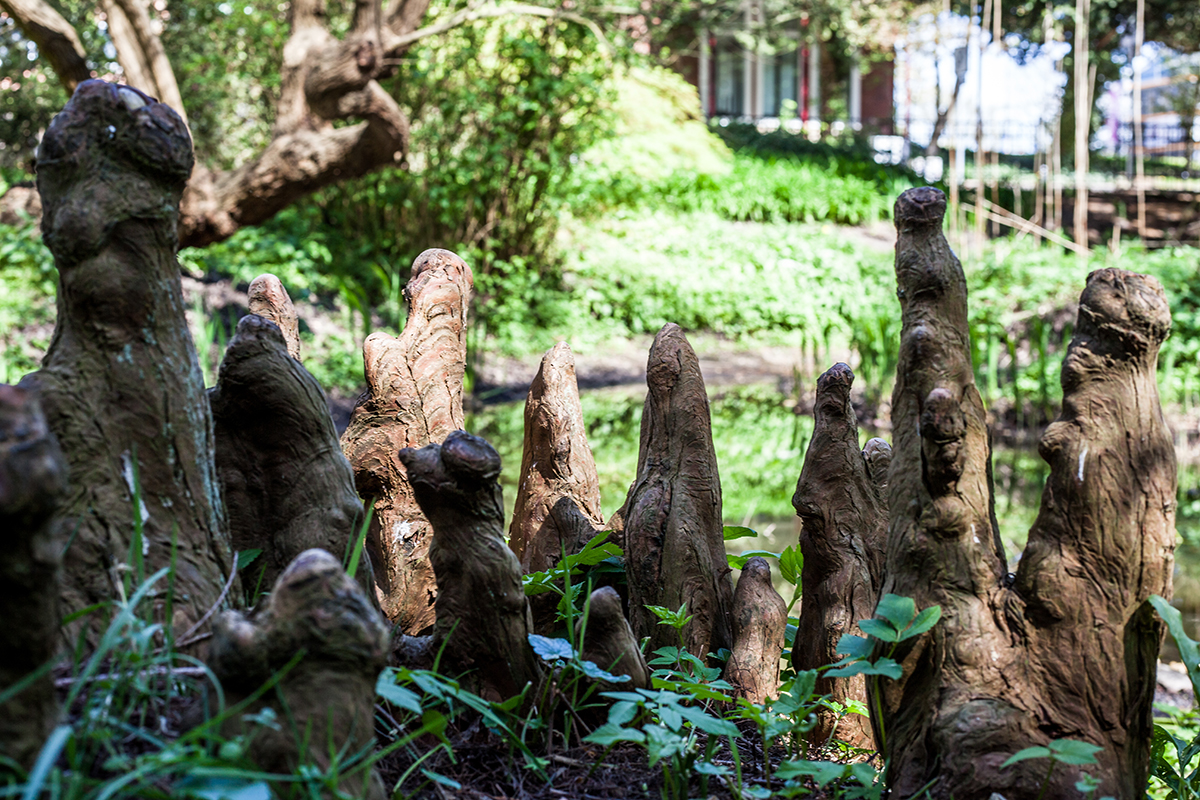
pixel 760 439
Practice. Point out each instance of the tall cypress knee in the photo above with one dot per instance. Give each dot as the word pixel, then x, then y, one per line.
pixel 673 532
pixel 288 487
pixel 843 531
pixel 1011 667
pixel 121 385
pixel 413 398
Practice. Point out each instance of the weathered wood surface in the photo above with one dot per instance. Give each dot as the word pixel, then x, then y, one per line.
pixel 413 398
pixel 673 532
pixel 557 509
pixel 759 629
pixel 843 533
pixel 609 643
pixel 483 618
pixel 121 386
pixel 1068 651
pixel 287 486
pixel 33 480
pixel 329 641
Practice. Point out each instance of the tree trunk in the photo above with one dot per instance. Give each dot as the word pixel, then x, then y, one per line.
pixel 558 501
pixel 1068 651
pixel 121 385
pixel 759 628
pixel 32 482
pixel 483 618
pixel 325 700
pixel 674 542
pixel 840 501
pixel 287 486
pixel 413 398
pixel 269 300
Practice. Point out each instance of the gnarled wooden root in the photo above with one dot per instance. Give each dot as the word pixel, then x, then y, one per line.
pixel 33 480
pixel 1007 668
pixel 288 488
pixel 120 385
pixel 269 300
pixel 840 502
pixel 483 618
pixel 674 543
pixel 759 628
pixel 413 398
pixel 321 628
pixel 608 641
pixel 558 500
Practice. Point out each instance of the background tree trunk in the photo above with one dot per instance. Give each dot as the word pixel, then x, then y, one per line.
pixel 121 385
pixel 1069 650
pixel 413 398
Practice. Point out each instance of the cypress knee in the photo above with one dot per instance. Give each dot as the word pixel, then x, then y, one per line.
pixel 842 537
pixel 759 632
pixel 413 398
pixel 121 386
pixel 609 643
pixel 1068 650
pixel 558 500
pixel 483 617
pixel 288 487
pixel 321 629
pixel 673 532
pixel 33 481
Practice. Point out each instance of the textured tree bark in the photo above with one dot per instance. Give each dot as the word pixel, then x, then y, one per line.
pixel 759 628
pixel 609 643
pixel 269 300
pixel 287 486
pixel 558 502
pixel 120 385
pixel 325 701
pixel 674 542
pixel 843 536
pixel 33 480
pixel 483 618
pixel 413 398
pixel 1069 650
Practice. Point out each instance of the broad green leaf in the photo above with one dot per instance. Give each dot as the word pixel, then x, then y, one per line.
pixel 441 779
pixel 398 696
pixel 855 646
pixel 732 532
pixel 611 733
pixel 1073 751
pixel 551 649
pixel 595 673
pixel 820 771
pixel 739 560
pixel 709 723
pixel 1189 648
pixel 897 610
pixel 790 564
pixel 622 712
pixel 880 630
pixel 1027 753
pixel 705 768
pixel 924 621
pixel 219 788
pixel 886 667
pixel 246 557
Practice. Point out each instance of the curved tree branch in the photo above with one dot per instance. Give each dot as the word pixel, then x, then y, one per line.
pixel 54 37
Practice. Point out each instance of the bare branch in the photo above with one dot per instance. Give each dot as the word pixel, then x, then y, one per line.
pixel 153 54
pixel 398 42
pixel 56 40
